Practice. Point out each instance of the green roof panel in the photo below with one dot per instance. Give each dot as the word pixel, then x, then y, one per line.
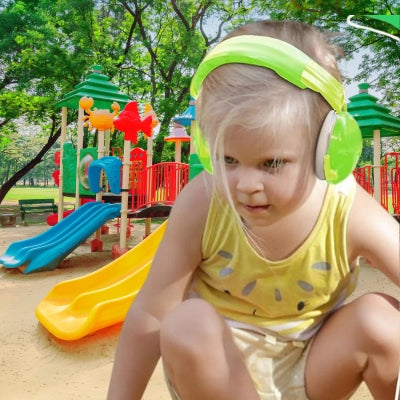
pixel 97 86
pixel 372 116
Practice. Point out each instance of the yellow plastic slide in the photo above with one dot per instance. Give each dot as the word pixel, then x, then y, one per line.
pixel 80 306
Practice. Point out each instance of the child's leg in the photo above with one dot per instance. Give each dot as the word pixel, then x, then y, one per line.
pixel 361 341
pixel 200 357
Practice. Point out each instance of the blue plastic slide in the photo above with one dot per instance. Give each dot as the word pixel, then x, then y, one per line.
pixel 45 251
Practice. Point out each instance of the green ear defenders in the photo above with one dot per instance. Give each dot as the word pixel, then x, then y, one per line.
pixel 339 143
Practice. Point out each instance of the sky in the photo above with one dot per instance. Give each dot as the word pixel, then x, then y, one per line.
pixel 350 68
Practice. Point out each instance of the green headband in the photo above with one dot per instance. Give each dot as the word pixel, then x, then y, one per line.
pixel 286 60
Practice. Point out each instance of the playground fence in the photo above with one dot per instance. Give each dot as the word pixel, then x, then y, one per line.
pixel 389 181
pixel 159 183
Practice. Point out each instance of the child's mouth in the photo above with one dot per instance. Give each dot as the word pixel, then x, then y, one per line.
pixel 255 209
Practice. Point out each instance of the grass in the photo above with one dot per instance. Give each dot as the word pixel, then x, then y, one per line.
pixel 26 192
pixel 390 205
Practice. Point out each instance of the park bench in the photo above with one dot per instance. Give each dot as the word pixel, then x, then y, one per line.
pixel 30 206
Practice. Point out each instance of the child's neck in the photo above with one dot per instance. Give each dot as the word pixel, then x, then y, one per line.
pixel 281 239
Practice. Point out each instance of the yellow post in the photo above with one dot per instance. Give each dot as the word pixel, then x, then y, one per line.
pixel 61 180
pixel 78 154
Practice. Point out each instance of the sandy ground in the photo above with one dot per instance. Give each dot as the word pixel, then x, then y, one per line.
pixel 36 365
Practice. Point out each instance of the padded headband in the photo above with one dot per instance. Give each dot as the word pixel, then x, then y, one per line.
pixel 299 69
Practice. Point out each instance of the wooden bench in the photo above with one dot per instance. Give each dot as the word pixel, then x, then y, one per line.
pixel 30 206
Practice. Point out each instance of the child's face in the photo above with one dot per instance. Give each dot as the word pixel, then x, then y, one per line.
pixel 268 178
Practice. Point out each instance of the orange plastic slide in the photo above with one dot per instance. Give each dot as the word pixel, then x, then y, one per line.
pixel 80 306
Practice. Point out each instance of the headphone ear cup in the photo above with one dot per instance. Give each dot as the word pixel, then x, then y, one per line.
pixel 339 147
pixel 323 144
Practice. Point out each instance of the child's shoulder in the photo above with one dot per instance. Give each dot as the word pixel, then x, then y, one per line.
pixel 192 204
pixel 197 192
pixel 373 232
pixel 365 212
pixel 366 207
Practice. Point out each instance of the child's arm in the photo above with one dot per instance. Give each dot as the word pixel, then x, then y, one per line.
pixel 166 286
pixel 374 234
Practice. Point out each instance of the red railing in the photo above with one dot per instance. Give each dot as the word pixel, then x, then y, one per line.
pixel 389 181
pixel 383 170
pixel 160 183
pixel 394 179
pixel 391 172
pixel 363 177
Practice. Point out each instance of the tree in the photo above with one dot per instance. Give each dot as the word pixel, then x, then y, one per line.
pixel 150 48
pixel 35 56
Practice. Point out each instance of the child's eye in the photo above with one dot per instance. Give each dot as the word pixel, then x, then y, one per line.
pixel 274 164
pixel 229 160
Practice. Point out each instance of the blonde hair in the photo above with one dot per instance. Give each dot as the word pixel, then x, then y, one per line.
pixel 255 98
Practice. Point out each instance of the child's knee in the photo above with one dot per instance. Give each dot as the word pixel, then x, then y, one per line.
pixel 379 321
pixel 188 328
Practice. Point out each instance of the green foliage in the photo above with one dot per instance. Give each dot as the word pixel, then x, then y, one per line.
pixel 4 142
pixel 367 155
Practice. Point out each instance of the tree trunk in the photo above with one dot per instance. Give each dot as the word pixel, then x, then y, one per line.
pixel 4 189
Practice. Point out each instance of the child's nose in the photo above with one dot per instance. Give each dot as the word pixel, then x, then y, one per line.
pixel 249 181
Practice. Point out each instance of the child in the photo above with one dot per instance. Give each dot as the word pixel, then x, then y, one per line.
pixel 246 297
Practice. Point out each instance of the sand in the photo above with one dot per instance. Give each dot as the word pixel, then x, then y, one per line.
pixel 36 365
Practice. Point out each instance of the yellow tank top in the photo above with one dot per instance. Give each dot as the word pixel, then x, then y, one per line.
pixel 291 297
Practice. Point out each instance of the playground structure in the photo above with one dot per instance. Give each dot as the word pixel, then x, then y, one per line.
pixel 389 174
pixel 81 306
pixel 79 163
pixel 78 307
pixel 149 191
pixel 91 174
pixel 45 251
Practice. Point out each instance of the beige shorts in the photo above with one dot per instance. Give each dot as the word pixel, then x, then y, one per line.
pixel 276 367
